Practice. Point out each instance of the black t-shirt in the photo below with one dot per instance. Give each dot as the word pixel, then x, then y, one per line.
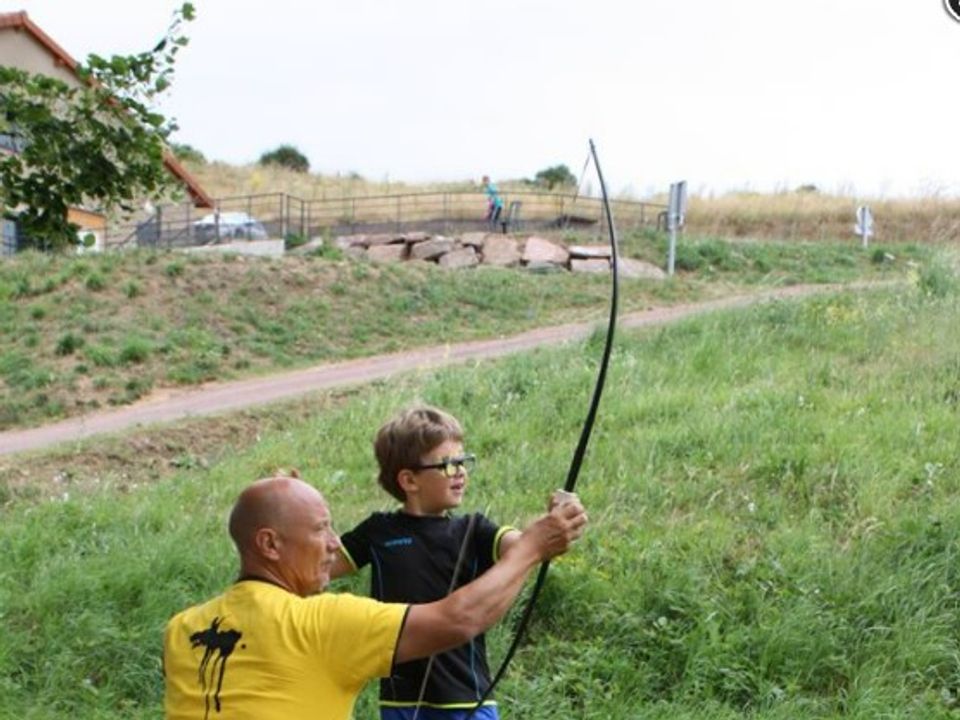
pixel 412 560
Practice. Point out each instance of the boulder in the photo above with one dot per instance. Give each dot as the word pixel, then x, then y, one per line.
pixel 591 265
pixel 539 250
pixel 387 253
pixel 589 251
pixel 463 257
pixel 473 239
pixel 630 268
pixel 312 245
pixel 431 249
pixel 382 239
pixel 415 237
pixel 345 241
pixel 500 251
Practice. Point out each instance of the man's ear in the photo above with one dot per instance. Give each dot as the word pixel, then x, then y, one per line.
pixel 267 543
pixel 407 481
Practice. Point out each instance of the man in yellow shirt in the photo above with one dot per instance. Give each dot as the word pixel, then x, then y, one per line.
pixel 274 646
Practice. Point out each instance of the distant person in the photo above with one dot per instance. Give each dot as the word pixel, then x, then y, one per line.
pixel 273 646
pixel 420 553
pixel 494 203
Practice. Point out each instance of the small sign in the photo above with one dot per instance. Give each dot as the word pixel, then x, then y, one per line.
pixel 864 226
pixel 677 210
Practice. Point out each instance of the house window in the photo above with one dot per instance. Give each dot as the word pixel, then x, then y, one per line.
pixel 9 245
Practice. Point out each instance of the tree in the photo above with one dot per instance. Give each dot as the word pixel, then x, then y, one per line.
pixel 100 144
pixel 183 151
pixel 551 177
pixel 286 156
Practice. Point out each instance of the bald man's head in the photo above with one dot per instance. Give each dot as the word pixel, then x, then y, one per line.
pixel 283 531
pixel 267 503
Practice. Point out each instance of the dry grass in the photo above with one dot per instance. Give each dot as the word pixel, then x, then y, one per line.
pixel 794 215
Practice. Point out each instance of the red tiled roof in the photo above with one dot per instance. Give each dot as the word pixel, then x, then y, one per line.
pixel 21 21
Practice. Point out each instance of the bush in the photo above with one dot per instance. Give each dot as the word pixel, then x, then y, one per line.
pixel 182 151
pixel 286 156
pixel 68 344
pixel 558 175
pixel 135 350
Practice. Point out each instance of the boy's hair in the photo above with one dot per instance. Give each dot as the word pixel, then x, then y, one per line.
pixel 402 442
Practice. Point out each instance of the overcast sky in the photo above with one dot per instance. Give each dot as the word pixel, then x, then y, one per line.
pixel 854 96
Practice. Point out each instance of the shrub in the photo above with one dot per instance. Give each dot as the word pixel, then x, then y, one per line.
pixel 286 156
pixel 68 344
pixel 558 175
pixel 135 350
pixel 95 282
pixel 132 289
pixel 188 153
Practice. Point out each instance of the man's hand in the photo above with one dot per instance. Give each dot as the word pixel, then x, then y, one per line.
pixel 553 534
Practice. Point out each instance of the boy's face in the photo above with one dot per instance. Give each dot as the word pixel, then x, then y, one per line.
pixel 436 492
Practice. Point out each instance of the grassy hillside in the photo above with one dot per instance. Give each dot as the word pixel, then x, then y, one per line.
pixel 775 523
pixel 88 332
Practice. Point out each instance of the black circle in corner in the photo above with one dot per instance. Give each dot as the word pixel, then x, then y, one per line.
pixel 953 7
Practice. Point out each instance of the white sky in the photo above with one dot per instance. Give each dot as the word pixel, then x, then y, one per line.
pixel 855 96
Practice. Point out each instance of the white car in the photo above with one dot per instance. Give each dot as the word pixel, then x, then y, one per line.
pixel 228 226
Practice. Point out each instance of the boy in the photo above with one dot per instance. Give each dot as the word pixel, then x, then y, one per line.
pixel 421 553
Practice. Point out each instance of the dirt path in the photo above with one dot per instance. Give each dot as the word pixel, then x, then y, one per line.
pixel 223 397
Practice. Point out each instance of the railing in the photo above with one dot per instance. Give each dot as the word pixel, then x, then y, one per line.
pixel 279 215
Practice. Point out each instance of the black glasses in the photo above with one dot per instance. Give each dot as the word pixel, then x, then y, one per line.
pixel 451 466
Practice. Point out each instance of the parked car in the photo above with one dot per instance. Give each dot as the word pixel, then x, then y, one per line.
pixel 229 226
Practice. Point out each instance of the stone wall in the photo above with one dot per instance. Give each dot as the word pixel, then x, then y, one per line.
pixel 533 253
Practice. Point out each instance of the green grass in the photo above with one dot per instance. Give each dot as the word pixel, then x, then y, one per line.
pixel 184 320
pixel 775 504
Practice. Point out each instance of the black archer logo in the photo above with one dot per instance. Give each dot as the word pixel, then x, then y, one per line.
pixel 953 7
pixel 214 641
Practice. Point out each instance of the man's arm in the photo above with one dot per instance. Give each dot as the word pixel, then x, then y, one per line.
pixel 452 621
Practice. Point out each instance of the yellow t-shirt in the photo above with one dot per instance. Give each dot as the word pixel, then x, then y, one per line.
pixel 259 652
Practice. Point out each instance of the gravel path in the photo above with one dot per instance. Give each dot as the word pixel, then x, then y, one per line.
pixel 223 397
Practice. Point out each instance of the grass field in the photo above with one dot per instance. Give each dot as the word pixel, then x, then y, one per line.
pixel 89 332
pixel 775 504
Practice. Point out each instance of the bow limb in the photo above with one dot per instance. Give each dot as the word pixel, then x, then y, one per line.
pixel 585 432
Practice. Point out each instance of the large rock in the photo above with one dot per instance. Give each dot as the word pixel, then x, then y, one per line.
pixel 474 239
pixel 630 268
pixel 382 239
pixel 345 241
pixel 308 247
pixel 591 265
pixel 463 257
pixel 538 250
pixel 431 249
pixel 387 253
pixel 589 251
pixel 415 237
pixel 501 251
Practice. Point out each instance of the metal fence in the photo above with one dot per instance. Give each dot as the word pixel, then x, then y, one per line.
pixel 278 215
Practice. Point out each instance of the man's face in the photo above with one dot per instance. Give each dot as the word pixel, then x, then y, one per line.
pixel 308 543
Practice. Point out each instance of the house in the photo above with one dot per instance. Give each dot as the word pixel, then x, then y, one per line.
pixel 25 46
